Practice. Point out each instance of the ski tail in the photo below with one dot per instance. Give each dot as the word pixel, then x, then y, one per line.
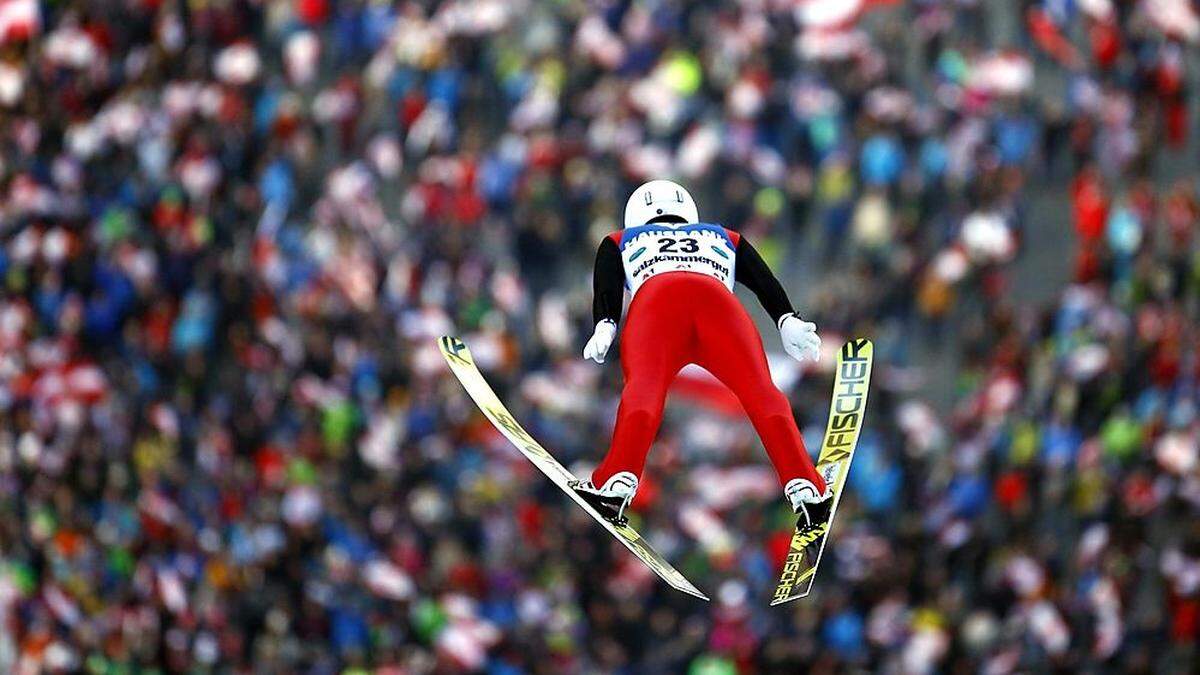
pixel 461 363
pixel 852 379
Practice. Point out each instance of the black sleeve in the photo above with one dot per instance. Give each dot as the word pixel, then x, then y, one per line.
pixel 608 283
pixel 752 271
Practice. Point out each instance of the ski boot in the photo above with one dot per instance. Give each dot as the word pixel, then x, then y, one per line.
pixel 611 500
pixel 811 507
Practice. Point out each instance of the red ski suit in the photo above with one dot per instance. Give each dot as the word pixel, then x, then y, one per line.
pixel 684 311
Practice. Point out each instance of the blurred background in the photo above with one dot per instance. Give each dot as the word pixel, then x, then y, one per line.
pixel 230 229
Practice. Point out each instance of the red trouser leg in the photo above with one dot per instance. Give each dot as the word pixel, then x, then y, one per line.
pixel 731 349
pixel 655 344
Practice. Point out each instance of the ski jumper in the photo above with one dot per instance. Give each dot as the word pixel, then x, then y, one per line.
pixel 684 311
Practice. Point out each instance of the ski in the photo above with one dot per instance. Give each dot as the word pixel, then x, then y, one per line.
pixel 458 356
pixel 852 378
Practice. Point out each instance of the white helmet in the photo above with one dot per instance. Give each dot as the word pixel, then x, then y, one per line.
pixel 661 201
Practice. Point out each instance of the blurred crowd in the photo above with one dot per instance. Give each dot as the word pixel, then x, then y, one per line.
pixel 231 229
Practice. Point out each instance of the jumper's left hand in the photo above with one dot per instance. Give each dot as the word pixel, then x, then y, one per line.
pixel 800 339
pixel 602 339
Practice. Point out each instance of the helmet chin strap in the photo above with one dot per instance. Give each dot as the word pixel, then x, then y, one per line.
pixel 668 218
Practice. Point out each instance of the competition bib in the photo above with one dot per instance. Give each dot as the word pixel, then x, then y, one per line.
pixel 653 249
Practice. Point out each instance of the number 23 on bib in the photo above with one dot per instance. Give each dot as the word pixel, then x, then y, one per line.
pixel 654 249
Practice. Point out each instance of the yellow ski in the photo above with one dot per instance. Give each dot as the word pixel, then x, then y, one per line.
pixel 851 381
pixel 464 368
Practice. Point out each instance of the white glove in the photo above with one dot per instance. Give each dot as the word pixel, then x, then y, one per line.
pixel 602 339
pixel 800 339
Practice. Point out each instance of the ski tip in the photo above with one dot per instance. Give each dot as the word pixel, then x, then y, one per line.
pixel 856 349
pixel 454 349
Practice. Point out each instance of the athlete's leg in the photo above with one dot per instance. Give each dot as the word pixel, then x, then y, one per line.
pixel 655 344
pixel 730 348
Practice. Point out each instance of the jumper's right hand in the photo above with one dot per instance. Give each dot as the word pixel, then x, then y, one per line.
pixel 800 339
pixel 602 339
